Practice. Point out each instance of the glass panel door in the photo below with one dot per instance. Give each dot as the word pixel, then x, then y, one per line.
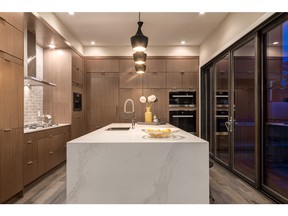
pixel 244 133
pixel 221 112
pixel 275 149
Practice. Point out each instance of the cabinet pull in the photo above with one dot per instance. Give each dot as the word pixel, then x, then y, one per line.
pixel 154 73
pixel 7 130
pixel 51 136
pixel 29 142
pixel 182 73
pixel 30 162
pixel 51 152
pixel 116 110
pixel 103 73
pixel 7 60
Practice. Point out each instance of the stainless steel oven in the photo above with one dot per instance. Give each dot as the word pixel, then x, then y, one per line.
pixel 182 98
pixel 182 109
pixel 221 119
pixel 184 119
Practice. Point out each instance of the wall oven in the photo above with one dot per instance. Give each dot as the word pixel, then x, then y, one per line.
pixel 182 109
pixel 222 99
pixel 182 98
pixel 221 119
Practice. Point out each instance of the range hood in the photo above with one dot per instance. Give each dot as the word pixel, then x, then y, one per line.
pixel 30 79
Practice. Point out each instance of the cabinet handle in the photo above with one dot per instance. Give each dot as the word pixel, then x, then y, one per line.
pixel 116 110
pixel 51 152
pixel 7 60
pixel 154 73
pixel 30 162
pixel 29 142
pixel 103 73
pixel 7 130
pixel 51 136
pixel 182 73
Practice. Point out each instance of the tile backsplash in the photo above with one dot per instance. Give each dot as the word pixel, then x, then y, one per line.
pixel 33 96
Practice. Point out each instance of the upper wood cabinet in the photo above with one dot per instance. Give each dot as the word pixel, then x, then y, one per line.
pixel 154 80
pixel 182 80
pixel 102 65
pixel 183 65
pixel 77 61
pixel 14 19
pixel 130 80
pixel 156 65
pixel 11 39
pixel 126 65
pixel 11 94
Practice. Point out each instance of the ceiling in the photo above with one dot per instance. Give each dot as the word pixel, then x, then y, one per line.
pixel 163 29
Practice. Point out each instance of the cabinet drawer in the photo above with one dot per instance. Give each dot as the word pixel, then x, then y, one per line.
pixel 11 40
pixel 30 172
pixel 15 19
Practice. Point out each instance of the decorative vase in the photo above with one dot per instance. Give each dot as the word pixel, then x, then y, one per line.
pixel 148 115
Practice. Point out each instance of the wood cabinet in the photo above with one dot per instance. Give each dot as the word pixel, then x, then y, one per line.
pixel 77 125
pixel 11 40
pixel 11 108
pixel 156 65
pixel 135 95
pixel 11 162
pixel 102 98
pixel 182 80
pixel 183 65
pixel 154 80
pixel 130 80
pixel 14 19
pixel 77 69
pixel 102 65
pixel 30 158
pixel 51 149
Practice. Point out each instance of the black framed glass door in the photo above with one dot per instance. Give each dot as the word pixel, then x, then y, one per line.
pixel 275 115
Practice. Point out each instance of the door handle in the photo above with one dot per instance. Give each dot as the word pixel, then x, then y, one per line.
pixel 229 125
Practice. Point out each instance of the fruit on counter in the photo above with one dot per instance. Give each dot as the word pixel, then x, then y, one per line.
pixel 166 130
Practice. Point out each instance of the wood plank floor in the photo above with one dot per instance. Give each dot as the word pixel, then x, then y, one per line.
pixel 226 188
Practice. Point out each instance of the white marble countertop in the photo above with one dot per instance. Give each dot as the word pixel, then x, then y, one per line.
pixel 44 128
pixel 134 135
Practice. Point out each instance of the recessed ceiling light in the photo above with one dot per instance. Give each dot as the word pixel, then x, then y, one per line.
pixel 93 42
pixel 201 12
pixel 52 46
pixel 183 42
pixel 71 13
pixel 275 42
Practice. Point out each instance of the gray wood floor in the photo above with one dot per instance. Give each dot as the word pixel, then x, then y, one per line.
pixel 226 188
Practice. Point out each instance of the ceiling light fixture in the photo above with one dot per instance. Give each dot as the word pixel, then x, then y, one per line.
pixel 93 42
pixel 183 42
pixel 139 41
pixel 140 68
pixel 139 57
pixel 52 46
pixel 201 13
pixel 71 13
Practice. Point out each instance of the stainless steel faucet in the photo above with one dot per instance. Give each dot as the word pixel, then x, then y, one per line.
pixel 129 112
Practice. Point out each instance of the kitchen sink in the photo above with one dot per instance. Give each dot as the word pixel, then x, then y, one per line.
pixel 118 129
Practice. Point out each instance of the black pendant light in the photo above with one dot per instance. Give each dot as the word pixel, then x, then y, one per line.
pixel 139 41
pixel 140 68
pixel 139 57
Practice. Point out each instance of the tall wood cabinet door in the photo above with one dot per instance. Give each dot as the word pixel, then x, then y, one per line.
pixel 77 76
pixel 78 125
pixel 11 162
pixel 130 80
pixel 102 65
pixel 135 95
pixel 190 80
pixel 126 65
pixel 159 108
pixel 154 80
pixel 174 80
pixel 102 98
pixel 77 61
pixel 156 65
pixel 11 75
pixel 11 40
pixel 15 19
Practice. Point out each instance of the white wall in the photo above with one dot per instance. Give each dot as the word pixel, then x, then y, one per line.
pixel 151 51
pixel 233 27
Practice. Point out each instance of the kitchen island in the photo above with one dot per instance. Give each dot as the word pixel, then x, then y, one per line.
pixel 129 167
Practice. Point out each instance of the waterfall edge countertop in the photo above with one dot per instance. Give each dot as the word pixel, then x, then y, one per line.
pixel 127 167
